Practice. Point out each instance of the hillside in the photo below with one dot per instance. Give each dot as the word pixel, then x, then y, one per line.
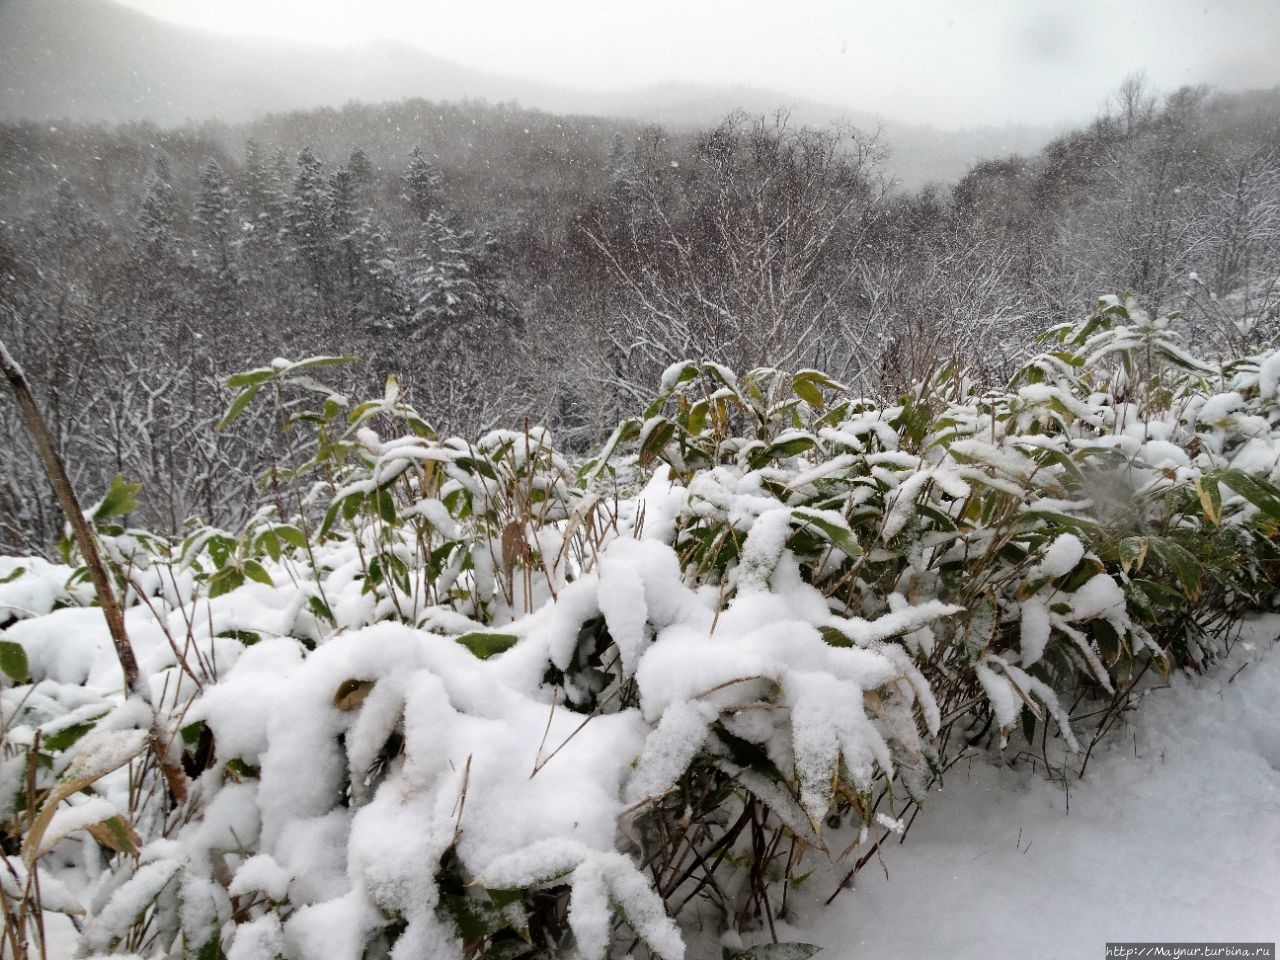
pixel 92 60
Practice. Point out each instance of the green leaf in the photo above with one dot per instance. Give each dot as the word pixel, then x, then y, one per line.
pixel 655 436
pixel 696 418
pixel 385 504
pixel 721 373
pixel 247 637
pixel 321 610
pixel 773 951
pixel 330 518
pixel 116 834
pixel 315 386
pixel 1261 494
pixel 351 505
pixel 808 391
pixel 269 541
pixel 249 378
pixel 121 499
pixel 312 362
pixel 485 645
pixel 506 950
pixel 191 733
pixel 1185 566
pixel 241 769
pixel 626 431
pixel 242 400
pixel 1210 498
pixel 224 581
pixel 13 661
pixel 834 637
pixel 60 740
pixel 838 532
pixel 292 536
pixel 254 571
pixel 1028 725
pixel 219 548
pixel 13 575
pixel 791 447
pixel 775 794
pixel 1132 553
pixel 473 918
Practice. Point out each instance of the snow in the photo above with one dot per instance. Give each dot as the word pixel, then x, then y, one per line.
pixel 1004 701
pixel 133 896
pixel 668 750
pixel 102 751
pixel 828 723
pixel 1173 835
pixel 1099 596
pixel 1269 376
pixel 260 874
pixel 259 939
pixel 649 645
pixel 1035 630
pixel 238 714
pixel 1059 559
pixel 68 819
pixel 31 587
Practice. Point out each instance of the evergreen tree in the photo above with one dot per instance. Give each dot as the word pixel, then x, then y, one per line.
pixel 214 214
pixel 310 213
pixel 158 213
pixel 262 195
pixel 361 169
pixel 422 186
pixel 74 234
pixel 444 292
pixel 346 221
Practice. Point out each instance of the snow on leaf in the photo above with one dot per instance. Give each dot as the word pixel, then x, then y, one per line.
pixel 135 895
pixel 669 749
pixel 828 722
pixel 1034 631
pixel 1004 700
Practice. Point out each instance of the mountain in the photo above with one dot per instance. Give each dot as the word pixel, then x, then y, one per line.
pixel 92 60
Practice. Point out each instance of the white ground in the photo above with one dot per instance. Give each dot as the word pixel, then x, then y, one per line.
pixel 1180 843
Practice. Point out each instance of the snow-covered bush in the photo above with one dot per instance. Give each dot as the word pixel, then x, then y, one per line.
pixel 461 699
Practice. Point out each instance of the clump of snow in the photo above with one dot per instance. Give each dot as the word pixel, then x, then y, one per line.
pixel 260 874
pixel 1059 559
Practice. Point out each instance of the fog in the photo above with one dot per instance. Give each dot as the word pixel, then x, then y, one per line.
pixel 919 61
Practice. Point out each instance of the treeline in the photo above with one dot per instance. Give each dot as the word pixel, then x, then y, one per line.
pixel 509 265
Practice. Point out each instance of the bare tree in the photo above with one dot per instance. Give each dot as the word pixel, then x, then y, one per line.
pixel 738 250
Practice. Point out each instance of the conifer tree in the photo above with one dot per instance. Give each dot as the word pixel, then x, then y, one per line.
pixel 158 213
pixel 422 186
pixel 215 217
pixel 360 168
pixel 310 213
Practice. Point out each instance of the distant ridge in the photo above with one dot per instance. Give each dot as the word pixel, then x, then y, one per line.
pixel 93 60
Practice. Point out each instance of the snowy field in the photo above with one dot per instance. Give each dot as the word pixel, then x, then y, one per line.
pixel 1173 835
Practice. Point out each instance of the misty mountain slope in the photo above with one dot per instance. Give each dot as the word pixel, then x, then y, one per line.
pixel 92 60
pixel 100 61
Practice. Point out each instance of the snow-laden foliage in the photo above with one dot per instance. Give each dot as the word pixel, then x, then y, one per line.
pixel 464 700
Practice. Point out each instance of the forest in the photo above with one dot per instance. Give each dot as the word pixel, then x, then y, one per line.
pixel 462 246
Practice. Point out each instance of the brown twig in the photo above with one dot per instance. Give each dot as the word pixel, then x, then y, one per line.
pixel 85 539
pixel 88 543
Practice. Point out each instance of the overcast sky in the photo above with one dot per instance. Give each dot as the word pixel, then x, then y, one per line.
pixel 956 63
